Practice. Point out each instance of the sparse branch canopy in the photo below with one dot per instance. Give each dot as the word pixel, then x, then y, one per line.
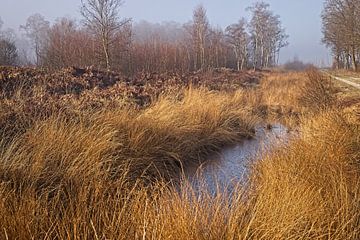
pixel 267 35
pixel 341 30
pixel 8 52
pixel 239 40
pixel 199 30
pixel 8 49
pixel 102 18
pixel 106 40
pixel 36 29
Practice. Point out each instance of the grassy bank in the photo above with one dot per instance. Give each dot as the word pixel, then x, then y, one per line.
pixel 59 167
pixel 111 174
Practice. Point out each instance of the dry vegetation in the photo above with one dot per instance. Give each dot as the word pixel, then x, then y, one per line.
pixel 72 171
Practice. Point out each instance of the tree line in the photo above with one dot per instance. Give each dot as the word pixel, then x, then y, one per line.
pixel 8 50
pixel 105 40
pixel 341 30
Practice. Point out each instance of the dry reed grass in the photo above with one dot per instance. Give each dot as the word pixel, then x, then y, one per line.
pixel 276 99
pixel 318 92
pixel 310 189
pixel 88 178
pixel 97 163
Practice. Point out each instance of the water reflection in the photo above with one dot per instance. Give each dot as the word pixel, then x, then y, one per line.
pixel 229 167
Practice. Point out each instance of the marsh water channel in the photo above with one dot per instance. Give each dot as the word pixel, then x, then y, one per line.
pixel 231 166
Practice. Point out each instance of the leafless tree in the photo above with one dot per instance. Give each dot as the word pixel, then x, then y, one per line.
pixel 69 45
pixel 36 29
pixel 267 34
pixel 106 40
pixel 341 29
pixel 164 47
pixel 238 38
pixel 123 41
pixel 102 18
pixel 217 48
pixel 8 52
pixel 199 30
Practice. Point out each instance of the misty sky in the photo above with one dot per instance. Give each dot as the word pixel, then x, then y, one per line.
pixel 301 18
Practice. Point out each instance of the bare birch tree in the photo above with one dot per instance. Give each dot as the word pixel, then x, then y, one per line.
pixel 102 18
pixel 238 38
pixel 199 30
pixel 267 35
pixel 217 48
pixel 36 29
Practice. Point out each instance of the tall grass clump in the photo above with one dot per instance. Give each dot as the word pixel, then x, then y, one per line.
pixel 172 133
pixel 287 96
pixel 318 91
pixel 282 89
pixel 276 99
pixel 310 189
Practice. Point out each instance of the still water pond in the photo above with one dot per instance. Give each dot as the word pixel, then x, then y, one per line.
pixel 231 166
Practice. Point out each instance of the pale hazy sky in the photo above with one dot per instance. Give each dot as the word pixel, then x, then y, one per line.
pixel 301 18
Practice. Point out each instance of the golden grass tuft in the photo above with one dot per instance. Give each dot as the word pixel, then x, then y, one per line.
pixel 310 188
pixel 282 89
pixel 277 97
pixel 318 92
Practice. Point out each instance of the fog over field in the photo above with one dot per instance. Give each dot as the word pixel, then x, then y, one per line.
pixel 300 18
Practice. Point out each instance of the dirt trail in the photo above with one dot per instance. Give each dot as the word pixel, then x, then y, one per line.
pixel 347 80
